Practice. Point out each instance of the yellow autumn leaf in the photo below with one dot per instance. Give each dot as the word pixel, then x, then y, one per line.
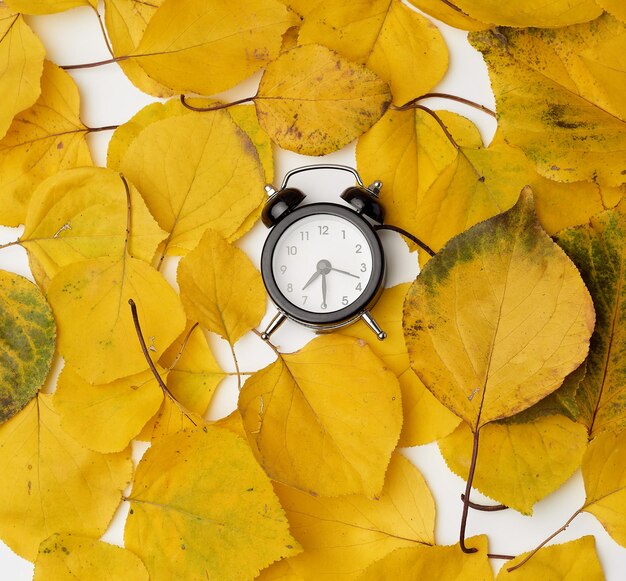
pixel 560 97
pixel 302 7
pixel 105 418
pixel 69 556
pixel 195 172
pixel 126 22
pixel 342 536
pixel 96 331
pixel 447 563
pixel 519 463
pixel 172 417
pixel 324 419
pixel 220 288
pixel 55 483
pixel 447 12
pixel 598 250
pixel 199 47
pixel 498 318
pixel 21 65
pixel 44 139
pixel 313 101
pixel 194 374
pixel 615 7
pixel 401 46
pixel 201 507
pixel 566 562
pixel 47 6
pixel 538 13
pixel 82 213
pixel 425 418
pixel 279 571
pixel 605 483
pixel 27 339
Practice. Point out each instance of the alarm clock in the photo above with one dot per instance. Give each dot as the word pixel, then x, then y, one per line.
pixel 323 264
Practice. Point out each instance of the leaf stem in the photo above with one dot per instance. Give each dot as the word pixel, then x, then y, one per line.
pixel 104 32
pixel 9 244
pixel 554 534
pixel 104 128
pixel 436 118
pixel 115 59
pixel 182 347
pixel 409 104
pixel 466 497
pixel 406 234
pixel 268 343
pixel 485 507
pixel 498 556
pixel 232 350
pixel 215 107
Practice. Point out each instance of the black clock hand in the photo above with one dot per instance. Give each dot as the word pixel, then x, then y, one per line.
pixel 314 277
pixel 323 291
pixel 345 272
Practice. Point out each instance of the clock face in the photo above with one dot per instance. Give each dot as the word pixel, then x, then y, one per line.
pixel 323 265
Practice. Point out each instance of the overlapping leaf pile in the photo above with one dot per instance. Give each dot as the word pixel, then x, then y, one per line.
pixel 508 349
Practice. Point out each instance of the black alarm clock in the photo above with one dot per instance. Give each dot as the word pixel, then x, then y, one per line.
pixel 323 264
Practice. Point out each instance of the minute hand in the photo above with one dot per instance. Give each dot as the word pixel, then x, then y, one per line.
pixel 345 272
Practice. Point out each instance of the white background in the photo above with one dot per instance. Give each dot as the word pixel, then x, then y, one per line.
pixel 109 98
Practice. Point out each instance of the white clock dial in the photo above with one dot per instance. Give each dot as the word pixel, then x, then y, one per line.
pixel 322 263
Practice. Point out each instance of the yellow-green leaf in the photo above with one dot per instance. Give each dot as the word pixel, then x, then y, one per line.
pixel 599 251
pixel 21 65
pixel 498 318
pixel 68 556
pixel 195 172
pixel 313 101
pixel 96 331
pixel 518 463
pixel 560 96
pixel 126 22
pixel 220 288
pixel 55 483
pixel 449 562
pixel 342 536
pixel 205 48
pixel 105 418
pixel 201 507
pixel 605 483
pixel 398 44
pixel 48 6
pixel 425 418
pixel 82 213
pixel 450 14
pixel 324 419
pixel 566 562
pixel 42 140
pixel 538 13
pixel 27 341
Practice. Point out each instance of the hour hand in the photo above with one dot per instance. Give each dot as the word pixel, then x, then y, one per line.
pixel 315 275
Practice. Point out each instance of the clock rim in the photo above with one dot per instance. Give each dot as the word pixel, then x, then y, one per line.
pixel 353 311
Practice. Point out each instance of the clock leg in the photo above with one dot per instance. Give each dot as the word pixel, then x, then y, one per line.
pixel 373 325
pixel 276 322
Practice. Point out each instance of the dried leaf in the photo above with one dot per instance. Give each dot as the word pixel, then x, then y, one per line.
pixel 518 463
pixel 324 419
pixel 539 13
pixel 55 483
pixel 21 65
pixel 220 288
pixel 82 213
pixel 27 340
pixel 105 418
pixel 560 98
pixel 402 47
pixel 195 172
pixel 67 556
pixel 450 563
pixel 425 418
pixel 47 6
pixel 447 12
pixel 202 507
pixel 598 250
pixel 567 562
pixel 98 291
pixel 342 536
pixel 313 102
pixel 498 318
pixel 225 41
pixel 42 140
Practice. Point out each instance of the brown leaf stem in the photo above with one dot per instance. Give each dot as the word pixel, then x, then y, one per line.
pixel 409 104
pixel 237 371
pixel 466 497
pixel 434 116
pixel 453 6
pixel 406 234
pixel 103 128
pixel 498 556
pixel 9 244
pixel 554 534
pixel 215 107
pixel 115 59
pixel 104 32
pixel 182 348
pixel 485 507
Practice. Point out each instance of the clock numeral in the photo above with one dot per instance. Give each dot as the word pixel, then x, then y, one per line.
pixel 358 249
pixel 344 300
pixel 343 234
pixel 292 250
pixel 289 288
pixel 283 269
pixel 363 267
pixel 304 298
pixel 323 230
pixel 304 236
pixel 358 287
